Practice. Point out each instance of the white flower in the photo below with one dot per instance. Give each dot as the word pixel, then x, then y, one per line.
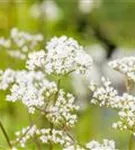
pixel 16 54
pixel 30 87
pixel 83 62
pixel 94 145
pixel 47 10
pixel 21 38
pixel 6 78
pixel 104 95
pixel 87 6
pixel 5 43
pixel 36 59
pixel 50 10
pixel 54 136
pixel 125 104
pixel 63 55
pixel 20 43
pixel 106 145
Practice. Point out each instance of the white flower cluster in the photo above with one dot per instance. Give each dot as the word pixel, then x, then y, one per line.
pixel 125 104
pixel 6 78
pixel 63 55
pixel 28 86
pixel 5 43
pixel 55 136
pixel 94 145
pixel 125 65
pixel 36 60
pixel 104 95
pixel 48 10
pixel 45 135
pixel 106 145
pixel 20 43
pixel 88 6
pixel 62 111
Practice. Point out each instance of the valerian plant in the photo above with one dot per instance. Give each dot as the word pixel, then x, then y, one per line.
pixel 61 57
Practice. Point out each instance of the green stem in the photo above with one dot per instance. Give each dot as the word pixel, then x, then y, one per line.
pixel 34 138
pixel 5 134
pixel 58 86
pixel 55 99
pixel 130 144
pixel 51 145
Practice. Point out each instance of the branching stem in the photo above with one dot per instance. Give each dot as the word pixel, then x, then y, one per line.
pixel 55 99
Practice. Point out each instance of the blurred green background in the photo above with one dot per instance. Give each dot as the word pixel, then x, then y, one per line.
pixel 108 21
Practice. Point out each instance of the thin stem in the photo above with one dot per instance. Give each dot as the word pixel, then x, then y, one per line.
pixel 129 90
pixel 34 138
pixel 69 72
pixel 5 134
pixel 37 143
pixel 55 99
pixel 51 145
pixel 39 118
pixel 58 86
pixel 130 144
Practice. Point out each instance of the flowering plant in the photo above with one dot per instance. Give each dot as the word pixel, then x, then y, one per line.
pixel 61 57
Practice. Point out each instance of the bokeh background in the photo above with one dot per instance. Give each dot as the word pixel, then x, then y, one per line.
pixel 106 28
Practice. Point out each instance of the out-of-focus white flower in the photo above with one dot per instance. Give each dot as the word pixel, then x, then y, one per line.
pixel 94 145
pixel 106 145
pixel 101 68
pixel 35 11
pixel 48 9
pixel 20 43
pixel 6 78
pixel 17 54
pixel 97 52
pixel 51 10
pixel 87 6
pixel 22 39
pixel 121 52
pixel 6 43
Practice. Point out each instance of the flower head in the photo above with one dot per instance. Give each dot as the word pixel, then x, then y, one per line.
pixel 63 55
